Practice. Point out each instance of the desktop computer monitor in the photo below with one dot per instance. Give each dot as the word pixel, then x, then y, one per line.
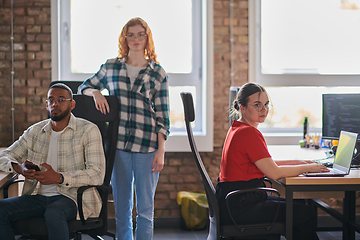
pixel 341 112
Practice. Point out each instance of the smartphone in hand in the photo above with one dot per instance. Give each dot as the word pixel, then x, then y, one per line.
pixel 32 166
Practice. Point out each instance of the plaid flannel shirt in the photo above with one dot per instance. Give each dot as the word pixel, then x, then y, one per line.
pixel 144 107
pixel 81 159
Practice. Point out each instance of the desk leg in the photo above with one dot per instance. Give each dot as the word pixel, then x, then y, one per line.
pixel 289 214
pixel 349 215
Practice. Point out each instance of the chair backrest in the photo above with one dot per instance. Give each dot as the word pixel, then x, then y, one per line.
pixel 208 185
pixel 108 126
pixel 73 85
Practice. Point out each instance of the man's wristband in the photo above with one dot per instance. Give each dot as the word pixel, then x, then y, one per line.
pixel 61 178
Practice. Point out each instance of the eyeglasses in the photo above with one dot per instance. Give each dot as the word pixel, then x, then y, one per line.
pixel 140 36
pixel 259 107
pixel 60 101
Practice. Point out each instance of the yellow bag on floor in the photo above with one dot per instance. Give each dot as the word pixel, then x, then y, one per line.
pixel 193 210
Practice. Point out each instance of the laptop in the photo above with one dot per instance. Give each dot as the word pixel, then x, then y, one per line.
pixel 343 157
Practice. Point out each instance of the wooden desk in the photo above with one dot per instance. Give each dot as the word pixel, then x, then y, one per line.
pixel 348 185
pixel 290 152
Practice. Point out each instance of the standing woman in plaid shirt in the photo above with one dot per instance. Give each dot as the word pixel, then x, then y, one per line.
pixel 141 86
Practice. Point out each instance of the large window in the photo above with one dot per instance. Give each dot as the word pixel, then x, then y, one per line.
pixel 299 50
pixel 88 36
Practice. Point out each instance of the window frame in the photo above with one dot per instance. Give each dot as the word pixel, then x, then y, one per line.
pixel 255 74
pixel 177 141
pixel 284 136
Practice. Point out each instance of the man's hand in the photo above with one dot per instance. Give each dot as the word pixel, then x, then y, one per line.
pixel 22 169
pixel 49 176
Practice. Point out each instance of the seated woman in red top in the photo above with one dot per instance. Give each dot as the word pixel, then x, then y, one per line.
pixel 245 162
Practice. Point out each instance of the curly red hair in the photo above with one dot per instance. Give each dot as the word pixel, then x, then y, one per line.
pixel 149 51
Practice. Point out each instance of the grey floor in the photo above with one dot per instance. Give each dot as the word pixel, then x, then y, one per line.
pixel 169 231
pixel 178 234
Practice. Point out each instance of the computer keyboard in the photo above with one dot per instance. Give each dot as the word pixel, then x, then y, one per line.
pixel 328 164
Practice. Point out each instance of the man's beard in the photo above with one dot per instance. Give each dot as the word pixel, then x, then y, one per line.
pixel 59 117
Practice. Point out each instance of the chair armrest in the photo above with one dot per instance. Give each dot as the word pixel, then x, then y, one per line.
pixel 259 189
pixel 269 181
pixel 103 191
pixel 10 182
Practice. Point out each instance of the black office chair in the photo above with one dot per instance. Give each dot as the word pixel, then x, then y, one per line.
pixel 217 230
pixel 73 85
pixel 13 179
pixel 96 226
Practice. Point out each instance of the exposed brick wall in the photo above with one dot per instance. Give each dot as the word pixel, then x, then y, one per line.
pixel 32 65
pixel 181 174
pixel 222 59
pixel 33 75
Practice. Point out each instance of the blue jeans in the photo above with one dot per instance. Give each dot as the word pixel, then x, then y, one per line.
pixel 56 210
pixel 134 169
